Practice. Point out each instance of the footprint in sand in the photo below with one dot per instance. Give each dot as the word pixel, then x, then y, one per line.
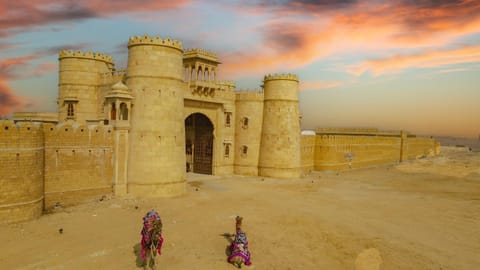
pixel 368 259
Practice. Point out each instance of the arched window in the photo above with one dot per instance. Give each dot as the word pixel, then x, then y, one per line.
pixel 206 75
pixel 199 74
pixel 123 111
pixel 113 112
pixel 244 149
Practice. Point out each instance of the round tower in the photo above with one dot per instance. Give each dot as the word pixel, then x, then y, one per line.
pixel 280 143
pixel 157 136
pixel 78 83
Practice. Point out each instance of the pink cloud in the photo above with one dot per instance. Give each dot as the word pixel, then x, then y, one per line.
pixel 9 101
pixel 24 14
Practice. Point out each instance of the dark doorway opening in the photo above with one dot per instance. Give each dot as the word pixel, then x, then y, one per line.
pixel 199 143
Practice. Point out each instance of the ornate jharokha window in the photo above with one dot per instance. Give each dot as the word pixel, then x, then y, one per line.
pixel 70 110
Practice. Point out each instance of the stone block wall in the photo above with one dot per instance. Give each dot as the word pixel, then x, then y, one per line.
pixel 421 147
pixel 78 163
pixel 248 131
pixel 307 153
pixel 337 152
pixel 21 171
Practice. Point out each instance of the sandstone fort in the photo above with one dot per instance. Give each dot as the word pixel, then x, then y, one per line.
pixel 138 131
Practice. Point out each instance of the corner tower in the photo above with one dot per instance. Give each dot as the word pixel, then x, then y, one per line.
pixel 157 136
pixel 78 85
pixel 280 143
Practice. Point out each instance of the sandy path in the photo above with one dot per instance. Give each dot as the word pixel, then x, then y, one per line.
pixel 417 215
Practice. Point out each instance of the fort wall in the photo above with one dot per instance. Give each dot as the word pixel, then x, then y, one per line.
pixel 307 148
pixel 78 163
pixel 346 149
pixel 422 147
pixel 248 131
pixel 21 171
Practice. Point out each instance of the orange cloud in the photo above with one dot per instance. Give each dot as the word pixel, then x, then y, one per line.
pixel 329 28
pixel 426 59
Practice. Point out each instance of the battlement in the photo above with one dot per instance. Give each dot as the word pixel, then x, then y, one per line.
pixel 157 40
pixel 10 127
pixel 226 85
pixel 114 76
pixel 249 95
pixel 85 55
pixel 200 53
pixel 291 77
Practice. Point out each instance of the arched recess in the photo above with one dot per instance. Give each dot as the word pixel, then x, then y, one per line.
pixel 199 143
pixel 123 111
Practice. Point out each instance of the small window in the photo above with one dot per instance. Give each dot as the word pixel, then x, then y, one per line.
pixel 70 110
pixel 244 149
pixel 113 112
pixel 227 119
pixel 245 122
pixel 227 150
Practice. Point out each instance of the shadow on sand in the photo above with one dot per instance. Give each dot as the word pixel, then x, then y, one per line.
pixel 230 240
pixel 137 250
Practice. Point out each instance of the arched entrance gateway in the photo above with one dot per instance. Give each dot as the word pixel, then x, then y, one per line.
pixel 199 143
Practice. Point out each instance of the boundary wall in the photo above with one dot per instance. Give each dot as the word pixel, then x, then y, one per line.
pixel 21 171
pixel 78 163
pixel 340 149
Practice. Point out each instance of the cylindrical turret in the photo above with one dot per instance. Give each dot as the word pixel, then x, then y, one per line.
pixel 248 131
pixel 280 145
pixel 79 78
pixel 157 138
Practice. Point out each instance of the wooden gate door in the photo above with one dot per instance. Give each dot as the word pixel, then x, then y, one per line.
pixel 203 147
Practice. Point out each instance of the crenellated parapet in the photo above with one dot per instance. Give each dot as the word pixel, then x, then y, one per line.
pixel 85 55
pixel 67 135
pixel 157 40
pixel 291 77
pixel 249 95
pixel 114 76
pixel 20 135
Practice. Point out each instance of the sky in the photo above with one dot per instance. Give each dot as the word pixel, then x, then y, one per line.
pixel 394 65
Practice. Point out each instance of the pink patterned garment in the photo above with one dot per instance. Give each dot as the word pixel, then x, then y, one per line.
pixel 239 248
pixel 147 233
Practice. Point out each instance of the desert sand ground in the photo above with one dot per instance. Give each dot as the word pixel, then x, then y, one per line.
pixel 422 214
